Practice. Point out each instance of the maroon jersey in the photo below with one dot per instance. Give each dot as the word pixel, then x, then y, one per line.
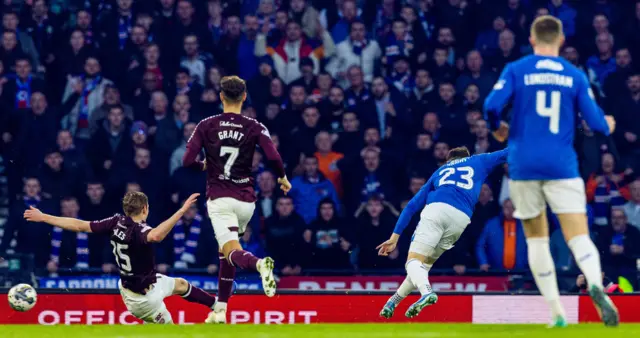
pixel 134 255
pixel 229 141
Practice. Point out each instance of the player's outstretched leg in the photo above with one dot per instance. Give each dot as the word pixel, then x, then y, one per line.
pixel 418 272
pixel 246 260
pixel 226 276
pixel 193 294
pixel 544 273
pixel 403 291
pixel 588 259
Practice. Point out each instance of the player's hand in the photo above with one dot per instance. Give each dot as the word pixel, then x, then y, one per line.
pixel 388 246
pixel 33 214
pixel 285 185
pixel 189 202
pixel 502 133
pixel 611 122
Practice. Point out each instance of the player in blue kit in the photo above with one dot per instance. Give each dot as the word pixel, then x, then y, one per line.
pixel 447 201
pixel 546 93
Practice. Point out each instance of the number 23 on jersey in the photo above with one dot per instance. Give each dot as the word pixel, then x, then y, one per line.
pixel 461 177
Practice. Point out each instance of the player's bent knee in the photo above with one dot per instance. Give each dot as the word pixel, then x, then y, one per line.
pixel 181 287
pixel 416 256
pixel 230 246
pixel 573 225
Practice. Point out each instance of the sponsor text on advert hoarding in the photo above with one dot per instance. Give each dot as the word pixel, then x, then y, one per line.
pixel 391 283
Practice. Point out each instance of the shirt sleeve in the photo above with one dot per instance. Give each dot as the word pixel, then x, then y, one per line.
pixel 103 226
pixel 270 151
pixel 194 145
pixel 416 203
pixel 499 97
pixel 496 158
pixel 591 112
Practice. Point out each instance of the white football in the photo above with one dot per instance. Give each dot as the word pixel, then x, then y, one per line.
pixel 22 297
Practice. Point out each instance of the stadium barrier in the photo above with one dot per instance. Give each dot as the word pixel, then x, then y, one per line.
pixel 296 307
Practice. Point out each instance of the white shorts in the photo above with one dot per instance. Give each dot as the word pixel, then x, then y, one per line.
pixel 565 196
pixel 229 217
pixel 150 307
pixel 440 227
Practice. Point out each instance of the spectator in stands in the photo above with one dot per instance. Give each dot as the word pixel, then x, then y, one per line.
pixel 632 208
pixel 450 111
pixel 196 61
pixel 329 237
pixel 310 188
pixel 487 41
pixel 169 134
pixel 111 98
pixel 607 188
pixel 17 92
pixel 178 153
pixel 69 60
pixel 566 14
pixel 283 236
pixel 287 54
pixel 266 202
pixel 246 46
pixel 55 179
pixel 184 85
pixel 332 109
pixel 304 134
pixel 476 74
pixel 307 79
pixel 20 39
pixel 340 31
pixel 73 158
pixel 86 93
pixel 367 178
pixel 328 160
pixel 618 247
pixel 190 245
pixel 422 96
pixel 31 238
pixel 603 63
pixel 69 249
pixel 421 159
pixel 357 91
pixel 111 144
pixel 627 136
pixel 507 51
pixel 349 140
pixel 307 16
pixel 615 84
pixel 502 245
pixel 387 109
pixel 374 222
pixel 35 133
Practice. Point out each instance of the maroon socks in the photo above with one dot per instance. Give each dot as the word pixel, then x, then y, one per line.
pixel 226 275
pixel 197 295
pixel 244 260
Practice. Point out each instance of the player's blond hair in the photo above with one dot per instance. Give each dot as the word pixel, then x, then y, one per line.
pixel 547 30
pixel 134 203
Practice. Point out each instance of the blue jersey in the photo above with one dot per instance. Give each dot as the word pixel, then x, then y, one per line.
pixel 546 94
pixel 457 183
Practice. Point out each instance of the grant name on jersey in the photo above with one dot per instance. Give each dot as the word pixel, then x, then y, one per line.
pixel 225 134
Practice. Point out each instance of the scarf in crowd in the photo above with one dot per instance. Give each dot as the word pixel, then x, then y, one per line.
pixel 427 23
pixel 509 252
pixel 185 245
pixel 359 46
pixel 607 195
pixel 124 28
pixel 403 82
pixel 82 248
pixel 83 117
pixel 396 47
pixel 23 93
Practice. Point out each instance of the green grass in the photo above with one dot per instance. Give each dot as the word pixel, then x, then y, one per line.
pixel 320 330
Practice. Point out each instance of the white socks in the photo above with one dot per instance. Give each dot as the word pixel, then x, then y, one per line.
pixel 403 291
pixel 220 306
pixel 588 258
pixel 544 272
pixel 419 275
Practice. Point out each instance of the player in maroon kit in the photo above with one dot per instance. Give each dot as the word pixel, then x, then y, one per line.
pixel 229 141
pixel 143 290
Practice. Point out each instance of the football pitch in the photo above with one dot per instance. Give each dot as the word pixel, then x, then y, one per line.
pixel 320 330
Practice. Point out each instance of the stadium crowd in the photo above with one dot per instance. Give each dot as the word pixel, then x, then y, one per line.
pixel 363 97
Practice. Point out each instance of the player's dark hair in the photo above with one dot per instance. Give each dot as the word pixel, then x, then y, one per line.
pixel 233 89
pixel 457 153
pixel 546 29
pixel 133 203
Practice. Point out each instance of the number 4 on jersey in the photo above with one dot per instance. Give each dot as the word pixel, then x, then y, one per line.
pixel 552 111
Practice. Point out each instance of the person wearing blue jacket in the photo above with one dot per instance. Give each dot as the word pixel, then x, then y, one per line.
pixel 310 188
pixel 502 244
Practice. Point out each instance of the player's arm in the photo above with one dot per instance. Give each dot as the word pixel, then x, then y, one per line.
pixel 496 102
pixel 194 145
pixel 159 233
pixel 71 224
pixel 496 158
pixel 591 112
pixel 274 158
